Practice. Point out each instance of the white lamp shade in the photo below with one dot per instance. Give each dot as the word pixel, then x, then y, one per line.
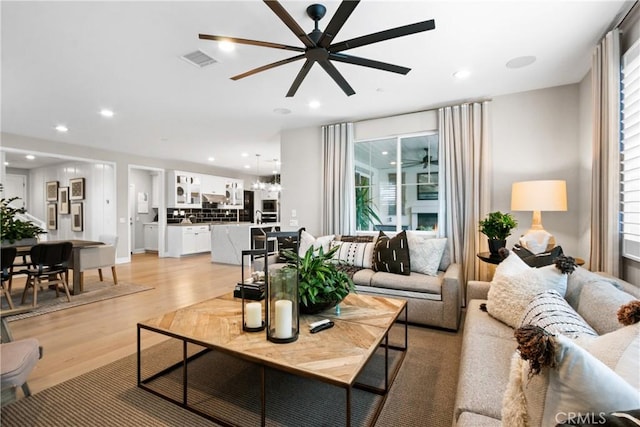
pixel 539 196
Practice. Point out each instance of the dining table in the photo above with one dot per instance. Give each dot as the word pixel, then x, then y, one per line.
pixel 74 262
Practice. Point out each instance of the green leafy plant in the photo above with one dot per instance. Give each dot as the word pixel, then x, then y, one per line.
pixel 365 213
pixel 320 280
pixel 12 228
pixel 498 225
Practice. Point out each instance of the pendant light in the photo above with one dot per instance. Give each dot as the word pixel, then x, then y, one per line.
pixel 258 185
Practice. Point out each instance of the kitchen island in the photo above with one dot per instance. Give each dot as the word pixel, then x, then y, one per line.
pixel 228 240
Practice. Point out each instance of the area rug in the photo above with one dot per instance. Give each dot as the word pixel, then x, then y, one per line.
pixel 94 292
pixel 422 394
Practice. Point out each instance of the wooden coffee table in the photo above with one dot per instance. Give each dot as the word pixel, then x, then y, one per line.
pixel 216 324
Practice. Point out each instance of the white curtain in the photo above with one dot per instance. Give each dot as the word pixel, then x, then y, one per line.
pixel 338 184
pixel 605 180
pixel 464 146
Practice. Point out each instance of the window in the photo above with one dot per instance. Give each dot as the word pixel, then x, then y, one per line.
pixel 396 183
pixel 630 153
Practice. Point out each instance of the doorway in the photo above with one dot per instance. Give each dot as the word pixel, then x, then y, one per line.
pixel 147 210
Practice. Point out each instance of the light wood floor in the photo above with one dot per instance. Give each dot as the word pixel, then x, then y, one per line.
pixel 80 339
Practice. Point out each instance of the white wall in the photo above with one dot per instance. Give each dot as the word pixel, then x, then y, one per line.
pixel 535 136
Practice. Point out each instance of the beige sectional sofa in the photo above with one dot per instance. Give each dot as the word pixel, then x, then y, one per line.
pixel 489 345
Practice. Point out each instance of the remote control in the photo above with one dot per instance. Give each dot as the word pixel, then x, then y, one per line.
pixel 322 327
pixel 318 323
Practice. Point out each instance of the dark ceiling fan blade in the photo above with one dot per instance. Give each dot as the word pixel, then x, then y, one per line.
pixel 267 67
pixel 337 77
pixel 349 59
pixel 250 42
pixel 290 22
pixel 337 21
pixel 299 78
pixel 384 35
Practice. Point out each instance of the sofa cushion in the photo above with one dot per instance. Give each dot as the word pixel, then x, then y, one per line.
pixel 391 255
pixel 352 253
pixel 579 383
pixel 363 276
pixel 479 322
pixel 553 313
pixel 413 282
pixel 307 240
pixel 469 419
pixel 578 279
pixel 599 303
pixel 425 253
pixel 515 284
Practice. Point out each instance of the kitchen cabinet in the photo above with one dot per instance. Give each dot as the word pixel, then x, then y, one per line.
pixel 184 190
pixel 234 193
pixel 191 239
pixel 213 185
pixel 150 237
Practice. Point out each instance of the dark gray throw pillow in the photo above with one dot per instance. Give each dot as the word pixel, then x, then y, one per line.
pixel 391 255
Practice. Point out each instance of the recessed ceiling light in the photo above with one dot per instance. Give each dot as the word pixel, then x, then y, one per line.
pixel 106 113
pixel 226 46
pixel 521 61
pixel 211 159
pixel 462 74
pixel 6 163
pixel 245 154
pixel 314 104
pixel 392 163
pixel 30 157
pixel 62 128
pixel 282 111
pixel 247 166
pixel 384 153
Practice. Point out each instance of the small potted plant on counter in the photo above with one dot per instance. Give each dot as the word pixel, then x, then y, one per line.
pixel 497 227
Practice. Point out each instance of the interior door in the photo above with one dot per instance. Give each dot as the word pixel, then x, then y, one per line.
pixel 16 186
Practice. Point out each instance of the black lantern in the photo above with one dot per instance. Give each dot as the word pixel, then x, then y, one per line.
pixel 281 305
pixel 252 291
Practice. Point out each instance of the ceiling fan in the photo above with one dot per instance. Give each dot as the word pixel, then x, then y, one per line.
pixel 425 161
pixel 318 45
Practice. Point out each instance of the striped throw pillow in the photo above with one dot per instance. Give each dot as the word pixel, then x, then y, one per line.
pixel 550 311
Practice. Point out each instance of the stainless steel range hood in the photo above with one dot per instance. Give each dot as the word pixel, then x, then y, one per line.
pixel 215 198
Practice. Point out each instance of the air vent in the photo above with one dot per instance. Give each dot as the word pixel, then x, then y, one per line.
pixel 199 59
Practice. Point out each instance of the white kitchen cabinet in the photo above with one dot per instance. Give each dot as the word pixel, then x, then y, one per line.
pixel 150 237
pixel 213 185
pixel 188 239
pixel 184 190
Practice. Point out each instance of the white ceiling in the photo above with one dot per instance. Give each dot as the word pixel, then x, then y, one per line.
pixel 64 61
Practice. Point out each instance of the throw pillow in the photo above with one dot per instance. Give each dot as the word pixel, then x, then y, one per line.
pixel 538 260
pixel 552 313
pixel 425 253
pixel 356 239
pixel 599 302
pixel 354 254
pixel 514 286
pixel 578 383
pixel 392 254
pixel 307 240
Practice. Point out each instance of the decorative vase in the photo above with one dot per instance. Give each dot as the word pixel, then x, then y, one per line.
pixel 496 244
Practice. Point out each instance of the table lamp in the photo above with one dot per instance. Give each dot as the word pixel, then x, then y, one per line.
pixel 538 196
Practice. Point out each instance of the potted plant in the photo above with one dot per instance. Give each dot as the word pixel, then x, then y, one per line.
pixel 321 284
pixel 365 214
pixel 497 227
pixel 13 230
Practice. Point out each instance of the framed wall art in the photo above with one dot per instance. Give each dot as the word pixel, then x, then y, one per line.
pixel 52 216
pixel 428 186
pixel 52 191
pixel 63 199
pixel 77 218
pixel 76 189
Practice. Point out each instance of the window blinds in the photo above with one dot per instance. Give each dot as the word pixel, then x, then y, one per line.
pixel 630 153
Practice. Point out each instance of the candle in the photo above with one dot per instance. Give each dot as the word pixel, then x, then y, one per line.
pixel 283 318
pixel 254 315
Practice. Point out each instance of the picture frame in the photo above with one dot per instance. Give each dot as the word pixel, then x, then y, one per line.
pixel 51 191
pixel 63 199
pixel 52 216
pixel 77 217
pixel 427 186
pixel 76 189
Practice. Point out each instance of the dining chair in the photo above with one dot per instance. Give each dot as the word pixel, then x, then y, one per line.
pixel 99 257
pixel 50 265
pixel 8 258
